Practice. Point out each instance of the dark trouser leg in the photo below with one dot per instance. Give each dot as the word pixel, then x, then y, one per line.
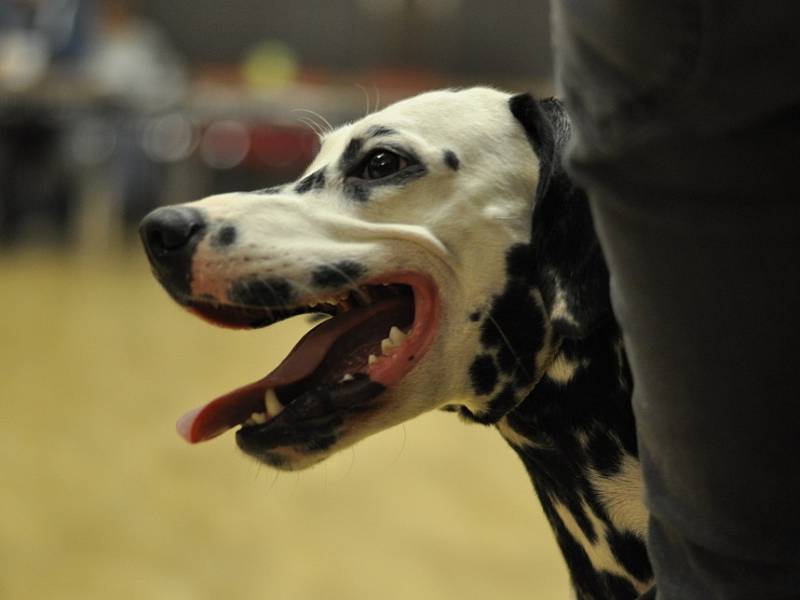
pixel 694 190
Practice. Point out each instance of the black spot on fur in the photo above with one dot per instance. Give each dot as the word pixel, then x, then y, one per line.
pixel 630 551
pixel 522 377
pixel 519 263
pixel 314 181
pixel 483 374
pixel 475 317
pixel 451 160
pixel 337 274
pixel 516 329
pixel 351 155
pixel 271 291
pixel 619 588
pixel 225 237
pixel 605 454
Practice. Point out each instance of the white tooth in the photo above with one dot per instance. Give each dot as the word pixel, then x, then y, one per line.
pixel 372 358
pixel 346 377
pixel 397 336
pixel 258 418
pixel 386 345
pixel 271 403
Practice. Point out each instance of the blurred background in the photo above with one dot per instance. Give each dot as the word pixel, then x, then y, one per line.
pixel 111 108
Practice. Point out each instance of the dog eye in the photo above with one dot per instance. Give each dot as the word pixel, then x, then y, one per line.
pixel 383 163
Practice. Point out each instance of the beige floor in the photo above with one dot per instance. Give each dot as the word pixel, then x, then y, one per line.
pixel 101 499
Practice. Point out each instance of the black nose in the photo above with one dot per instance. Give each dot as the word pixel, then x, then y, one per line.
pixel 171 229
pixel 170 236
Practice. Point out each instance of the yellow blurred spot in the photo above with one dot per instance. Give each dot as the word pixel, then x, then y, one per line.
pixel 270 64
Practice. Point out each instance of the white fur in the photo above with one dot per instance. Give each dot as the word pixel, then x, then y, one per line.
pixel 622 496
pixel 562 369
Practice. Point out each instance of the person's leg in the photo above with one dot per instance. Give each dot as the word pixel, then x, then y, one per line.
pixel 687 120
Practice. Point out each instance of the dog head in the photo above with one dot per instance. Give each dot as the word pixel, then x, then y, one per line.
pixel 434 235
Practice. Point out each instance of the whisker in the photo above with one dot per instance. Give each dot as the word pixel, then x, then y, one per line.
pixel 274 480
pixel 318 128
pixel 328 127
pixel 311 125
pixel 402 446
pixel 377 97
pixel 366 96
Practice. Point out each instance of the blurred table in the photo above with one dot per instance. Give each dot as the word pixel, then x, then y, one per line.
pixel 77 163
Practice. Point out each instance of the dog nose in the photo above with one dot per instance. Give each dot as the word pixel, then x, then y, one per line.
pixel 171 230
pixel 170 235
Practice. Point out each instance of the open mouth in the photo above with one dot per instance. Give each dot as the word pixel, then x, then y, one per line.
pixel 376 334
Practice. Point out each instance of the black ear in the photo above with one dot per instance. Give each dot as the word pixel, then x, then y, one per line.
pixel 568 262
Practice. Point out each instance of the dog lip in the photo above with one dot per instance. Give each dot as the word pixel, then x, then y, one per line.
pixel 232 316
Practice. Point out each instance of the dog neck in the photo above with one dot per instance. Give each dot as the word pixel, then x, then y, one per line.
pixel 575 434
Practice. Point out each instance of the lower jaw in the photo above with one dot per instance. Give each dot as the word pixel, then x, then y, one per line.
pixel 314 422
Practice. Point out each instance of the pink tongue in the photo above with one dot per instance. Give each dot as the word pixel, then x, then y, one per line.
pixel 225 412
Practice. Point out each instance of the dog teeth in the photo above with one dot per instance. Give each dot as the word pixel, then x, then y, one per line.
pixel 395 339
pixel 346 377
pixel 397 336
pixel 372 358
pixel 320 301
pixel 271 403
pixel 256 418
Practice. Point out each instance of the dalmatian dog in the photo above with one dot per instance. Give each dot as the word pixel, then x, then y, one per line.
pixel 458 269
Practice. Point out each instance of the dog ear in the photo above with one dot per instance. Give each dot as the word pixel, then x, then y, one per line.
pixel 568 263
